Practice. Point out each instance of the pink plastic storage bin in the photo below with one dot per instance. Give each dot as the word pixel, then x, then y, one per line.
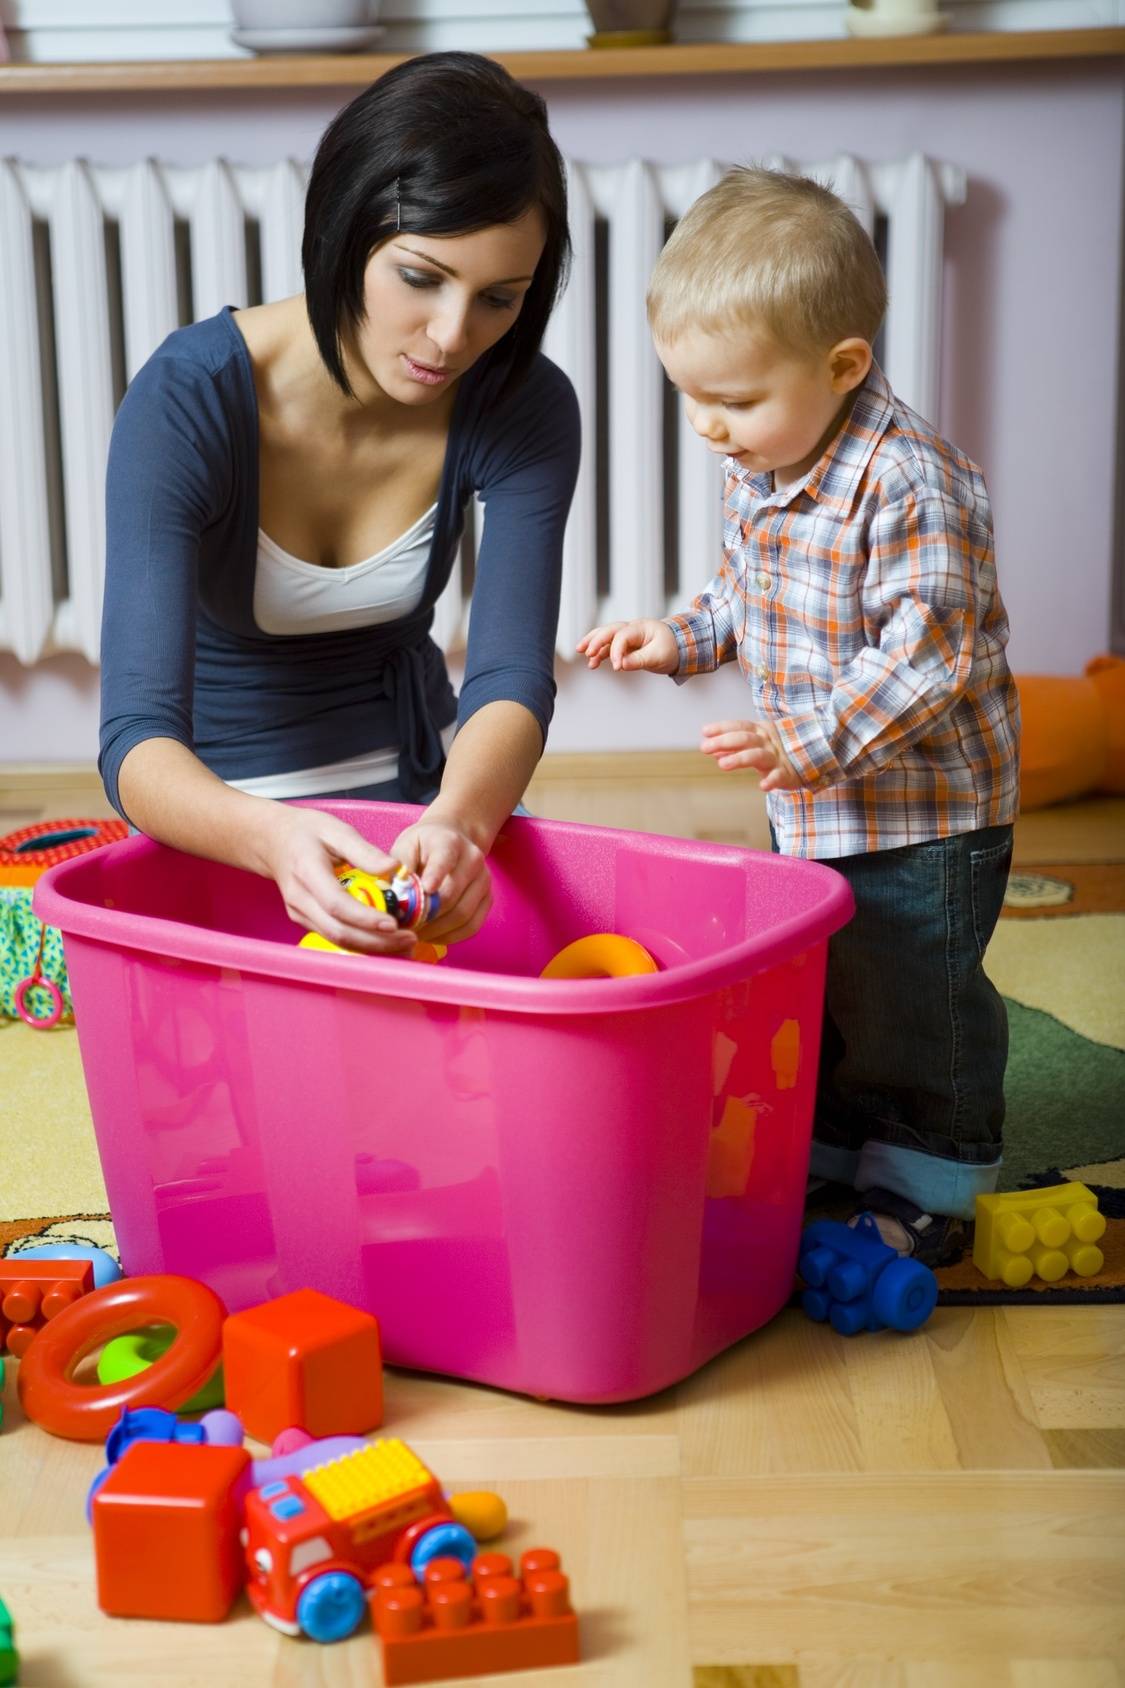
pixel 581 1190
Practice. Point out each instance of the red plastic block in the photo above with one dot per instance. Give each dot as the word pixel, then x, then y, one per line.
pixel 304 1359
pixel 33 1291
pixel 166 1523
pixel 456 1627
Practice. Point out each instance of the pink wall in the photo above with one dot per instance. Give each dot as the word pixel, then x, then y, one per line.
pixel 1031 323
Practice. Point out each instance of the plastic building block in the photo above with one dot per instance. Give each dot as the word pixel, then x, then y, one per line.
pixel 857 1281
pixel 106 1269
pixel 33 1291
pixel 304 1359
pixel 315 1539
pixel 166 1532
pixel 461 1625
pixel 9 1658
pixel 1025 1234
pixel 143 1424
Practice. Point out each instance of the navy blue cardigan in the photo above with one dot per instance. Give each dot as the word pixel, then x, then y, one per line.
pixel 182 656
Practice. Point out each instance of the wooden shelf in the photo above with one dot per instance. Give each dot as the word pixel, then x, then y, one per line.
pixel 283 71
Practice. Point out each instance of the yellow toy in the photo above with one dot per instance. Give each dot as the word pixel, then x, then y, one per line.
pixel 1038 1233
pixel 401 897
pixel 483 1513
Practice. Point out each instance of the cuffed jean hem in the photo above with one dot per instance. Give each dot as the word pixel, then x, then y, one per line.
pixel 932 1183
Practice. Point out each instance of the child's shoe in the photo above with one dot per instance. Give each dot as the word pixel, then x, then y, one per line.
pixel 935 1239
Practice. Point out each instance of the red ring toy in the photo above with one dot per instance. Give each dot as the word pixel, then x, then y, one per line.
pixel 39 1022
pixel 86 1412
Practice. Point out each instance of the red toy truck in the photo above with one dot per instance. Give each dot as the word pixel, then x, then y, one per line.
pixel 314 1542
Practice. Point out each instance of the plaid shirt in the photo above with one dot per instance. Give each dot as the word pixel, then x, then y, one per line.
pixel 862 606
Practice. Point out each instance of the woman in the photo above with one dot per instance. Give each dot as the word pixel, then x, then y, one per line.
pixel 285 497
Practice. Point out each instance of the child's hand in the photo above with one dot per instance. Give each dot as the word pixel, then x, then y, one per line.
pixel 632 644
pixel 750 744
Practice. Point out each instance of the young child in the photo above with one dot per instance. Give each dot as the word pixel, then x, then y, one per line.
pixel 858 593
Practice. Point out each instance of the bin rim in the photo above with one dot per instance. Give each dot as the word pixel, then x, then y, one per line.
pixel 458 987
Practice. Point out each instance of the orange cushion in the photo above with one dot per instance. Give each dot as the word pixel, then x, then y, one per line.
pixel 1065 742
pixel 1108 674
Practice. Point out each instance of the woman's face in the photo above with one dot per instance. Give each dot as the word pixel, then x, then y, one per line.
pixel 434 305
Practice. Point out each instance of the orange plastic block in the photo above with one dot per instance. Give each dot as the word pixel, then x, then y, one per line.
pixel 306 1360
pixel 33 1291
pixel 166 1527
pixel 1046 1233
pixel 457 1626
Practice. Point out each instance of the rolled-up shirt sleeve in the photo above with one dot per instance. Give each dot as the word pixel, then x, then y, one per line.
pixel 164 483
pixel 920 593
pixel 526 481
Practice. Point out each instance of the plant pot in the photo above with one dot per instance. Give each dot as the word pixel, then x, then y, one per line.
pixel 630 23
pixel 306 26
pixel 303 14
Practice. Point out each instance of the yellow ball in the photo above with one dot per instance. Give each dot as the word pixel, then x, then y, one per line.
pixel 482 1513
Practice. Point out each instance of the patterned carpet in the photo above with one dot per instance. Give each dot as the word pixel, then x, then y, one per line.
pixel 1058 956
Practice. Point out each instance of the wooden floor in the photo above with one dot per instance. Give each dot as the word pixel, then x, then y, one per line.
pixel 885 1512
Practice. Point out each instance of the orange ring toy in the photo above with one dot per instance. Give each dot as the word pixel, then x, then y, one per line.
pixel 603 955
pixel 87 1413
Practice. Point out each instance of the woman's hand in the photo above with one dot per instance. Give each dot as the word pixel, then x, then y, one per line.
pixel 632 644
pixel 447 861
pixel 751 744
pixel 300 851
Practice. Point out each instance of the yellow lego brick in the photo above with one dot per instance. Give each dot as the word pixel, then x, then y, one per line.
pixel 1038 1233
pixel 357 1482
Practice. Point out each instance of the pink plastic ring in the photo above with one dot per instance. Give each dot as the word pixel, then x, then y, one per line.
pixel 88 1412
pixel 41 1022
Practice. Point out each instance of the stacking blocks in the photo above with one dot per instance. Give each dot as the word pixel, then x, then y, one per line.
pixel 304 1360
pixel 857 1281
pixel 1025 1234
pixel 9 1658
pixel 166 1523
pixel 456 1626
pixel 33 1291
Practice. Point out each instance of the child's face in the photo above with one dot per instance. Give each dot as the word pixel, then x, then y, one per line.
pixel 752 400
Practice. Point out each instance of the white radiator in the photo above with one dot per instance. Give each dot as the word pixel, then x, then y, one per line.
pixel 98 265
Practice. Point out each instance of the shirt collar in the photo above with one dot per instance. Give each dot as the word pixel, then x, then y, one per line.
pixel 835 473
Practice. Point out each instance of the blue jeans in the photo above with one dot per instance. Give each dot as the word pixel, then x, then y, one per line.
pixel 910 1093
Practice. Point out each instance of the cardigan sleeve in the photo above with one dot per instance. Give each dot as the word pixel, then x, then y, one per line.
pixel 168 476
pixel 525 472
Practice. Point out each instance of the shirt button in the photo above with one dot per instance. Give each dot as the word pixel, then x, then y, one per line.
pixel 764 582
pixel 762 671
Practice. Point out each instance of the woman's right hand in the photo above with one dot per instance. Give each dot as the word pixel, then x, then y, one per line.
pixel 300 850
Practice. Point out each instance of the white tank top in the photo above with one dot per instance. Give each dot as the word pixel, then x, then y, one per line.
pixel 293 597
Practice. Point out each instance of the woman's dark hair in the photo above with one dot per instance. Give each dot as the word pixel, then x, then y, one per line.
pixel 443 144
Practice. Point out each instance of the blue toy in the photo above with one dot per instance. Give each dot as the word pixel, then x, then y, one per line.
pixel 141 1424
pixel 857 1281
pixel 293 1450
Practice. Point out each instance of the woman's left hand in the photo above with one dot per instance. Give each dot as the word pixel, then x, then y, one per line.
pixel 447 861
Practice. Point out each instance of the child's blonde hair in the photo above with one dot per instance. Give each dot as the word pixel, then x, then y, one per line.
pixel 765 248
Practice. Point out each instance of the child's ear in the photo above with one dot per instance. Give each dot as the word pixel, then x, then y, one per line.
pixel 849 362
